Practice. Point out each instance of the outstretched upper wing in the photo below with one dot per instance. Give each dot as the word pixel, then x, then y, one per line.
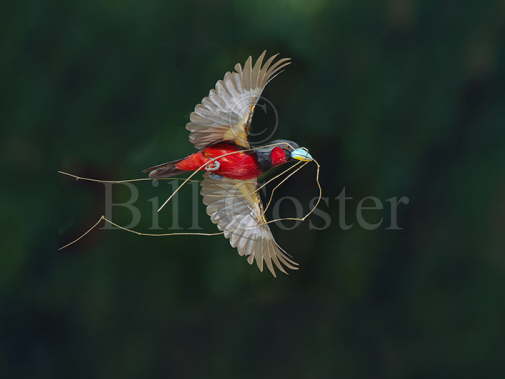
pixel 225 115
pixel 235 206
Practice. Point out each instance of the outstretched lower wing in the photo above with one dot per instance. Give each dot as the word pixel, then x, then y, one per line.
pixel 235 206
pixel 225 115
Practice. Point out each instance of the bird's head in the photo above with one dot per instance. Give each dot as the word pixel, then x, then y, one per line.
pixel 283 151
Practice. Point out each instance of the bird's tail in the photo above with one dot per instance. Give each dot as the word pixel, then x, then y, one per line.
pixel 164 170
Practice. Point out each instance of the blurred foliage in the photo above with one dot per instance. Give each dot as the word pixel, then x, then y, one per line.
pixel 398 97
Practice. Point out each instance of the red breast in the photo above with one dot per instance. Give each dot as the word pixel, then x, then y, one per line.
pixel 241 165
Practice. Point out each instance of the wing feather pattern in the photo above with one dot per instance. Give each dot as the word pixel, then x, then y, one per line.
pixel 237 210
pixel 226 113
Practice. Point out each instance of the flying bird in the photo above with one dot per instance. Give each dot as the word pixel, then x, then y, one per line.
pixel 219 129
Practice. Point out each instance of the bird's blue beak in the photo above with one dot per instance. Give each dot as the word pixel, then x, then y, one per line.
pixel 301 154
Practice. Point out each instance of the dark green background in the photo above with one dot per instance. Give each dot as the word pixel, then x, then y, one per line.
pixel 395 98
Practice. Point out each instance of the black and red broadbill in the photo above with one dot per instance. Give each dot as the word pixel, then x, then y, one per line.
pixel 219 129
